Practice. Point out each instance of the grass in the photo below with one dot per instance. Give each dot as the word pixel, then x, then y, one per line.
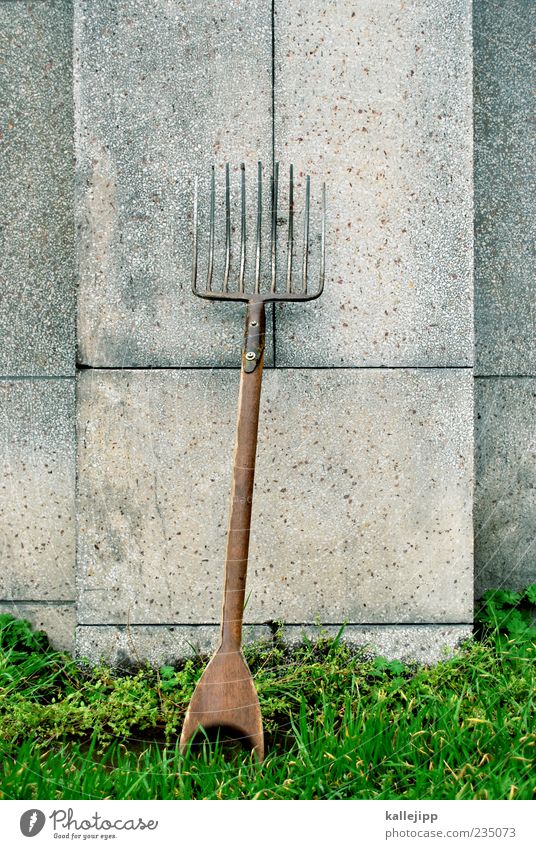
pixel 339 725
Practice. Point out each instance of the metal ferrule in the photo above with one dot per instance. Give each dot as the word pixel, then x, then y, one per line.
pixel 254 333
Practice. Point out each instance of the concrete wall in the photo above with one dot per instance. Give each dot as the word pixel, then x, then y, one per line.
pixel 363 501
pixel 505 319
pixel 363 508
pixel 37 317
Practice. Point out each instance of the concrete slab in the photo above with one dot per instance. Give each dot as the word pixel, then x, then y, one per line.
pixel 37 304
pixel 163 91
pixel 376 99
pixel 425 644
pixel 122 645
pixel 57 620
pixel 127 645
pixel 505 499
pixel 37 489
pixel 505 187
pixel 362 509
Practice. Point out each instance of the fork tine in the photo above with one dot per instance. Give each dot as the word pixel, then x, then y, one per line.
pixel 259 290
pixel 227 230
pixel 323 242
pixel 275 181
pixel 242 227
pixel 290 239
pixel 259 225
pixel 194 245
pixel 306 233
pixel 211 230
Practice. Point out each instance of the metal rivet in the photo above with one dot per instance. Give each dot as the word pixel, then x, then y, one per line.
pixel 253 324
pixel 250 355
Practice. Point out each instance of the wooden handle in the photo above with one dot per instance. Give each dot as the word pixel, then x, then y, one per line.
pixel 236 559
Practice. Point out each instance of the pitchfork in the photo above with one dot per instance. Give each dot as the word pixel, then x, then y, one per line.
pixel 225 696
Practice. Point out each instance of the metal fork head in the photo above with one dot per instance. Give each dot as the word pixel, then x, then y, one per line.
pixel 277 290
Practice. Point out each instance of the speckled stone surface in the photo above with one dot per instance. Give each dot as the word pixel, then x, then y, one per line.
pixel 57 620
pixel 420 643
pixel 37 298
pixel 362 508
pixel 376 98
pixel 122 645
pixel 125 645
pixel 505 187
pixel 37 489
pixel 505 494
pixel 163 90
